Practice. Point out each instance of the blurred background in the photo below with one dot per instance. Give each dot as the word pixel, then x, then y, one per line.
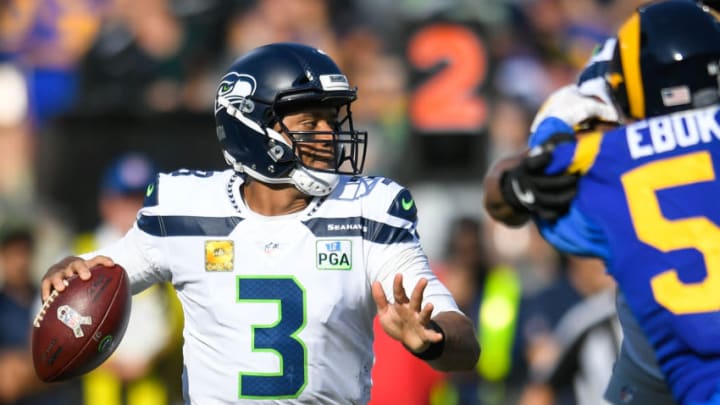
pixel 446 87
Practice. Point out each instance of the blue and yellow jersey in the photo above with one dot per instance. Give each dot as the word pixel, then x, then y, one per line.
pixel 648 205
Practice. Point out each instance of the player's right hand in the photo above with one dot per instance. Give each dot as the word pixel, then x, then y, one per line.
pixel 54 278
pixel 527 188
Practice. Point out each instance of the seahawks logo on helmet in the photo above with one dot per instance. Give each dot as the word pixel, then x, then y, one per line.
pixel 236 88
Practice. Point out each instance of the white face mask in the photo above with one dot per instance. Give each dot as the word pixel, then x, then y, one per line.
pixel 314 183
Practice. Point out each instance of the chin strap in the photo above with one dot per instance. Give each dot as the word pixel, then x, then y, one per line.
pixel 310 182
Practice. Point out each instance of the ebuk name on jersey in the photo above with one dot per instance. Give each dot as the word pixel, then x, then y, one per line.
pixel 668 132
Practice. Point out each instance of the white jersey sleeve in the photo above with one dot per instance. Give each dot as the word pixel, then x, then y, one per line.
pixel 172 197
pixel 136 252
pixel 392 206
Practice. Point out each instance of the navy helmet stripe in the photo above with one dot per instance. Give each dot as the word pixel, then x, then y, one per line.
pixel 368 229
pixel 169 225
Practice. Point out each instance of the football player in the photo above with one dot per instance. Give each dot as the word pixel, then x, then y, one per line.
pixel 282 261
pixel 586 106
pixel 645 191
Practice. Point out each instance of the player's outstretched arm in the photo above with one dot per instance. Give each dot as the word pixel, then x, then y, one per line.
pixel 447 341
pixel 54 278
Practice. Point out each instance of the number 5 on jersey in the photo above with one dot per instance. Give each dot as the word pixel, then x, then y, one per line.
pixel 665 235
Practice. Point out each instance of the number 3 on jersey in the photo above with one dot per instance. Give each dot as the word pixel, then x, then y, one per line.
pixel 695 232
pixel 280 338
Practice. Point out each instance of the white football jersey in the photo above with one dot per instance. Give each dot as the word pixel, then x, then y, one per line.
pixel 277 309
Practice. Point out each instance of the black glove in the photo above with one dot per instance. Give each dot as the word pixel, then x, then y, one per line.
pixel 527 188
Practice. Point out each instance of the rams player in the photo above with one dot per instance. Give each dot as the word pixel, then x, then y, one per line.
pixel 586 106
pixel 645 198
pixel 282 262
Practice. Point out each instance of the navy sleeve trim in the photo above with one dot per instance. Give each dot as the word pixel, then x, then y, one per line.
pixel 369 230
pixel 169 225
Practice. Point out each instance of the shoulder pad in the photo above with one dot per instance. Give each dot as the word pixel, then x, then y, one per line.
pixel 185 190
pixel 403 206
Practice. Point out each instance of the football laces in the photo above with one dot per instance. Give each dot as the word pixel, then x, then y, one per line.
pixel 46 305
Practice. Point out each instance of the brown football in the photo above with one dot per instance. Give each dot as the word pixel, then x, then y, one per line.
pixel 79 328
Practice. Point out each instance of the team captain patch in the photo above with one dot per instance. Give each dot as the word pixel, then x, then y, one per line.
pixel 219 255
pixel 333 255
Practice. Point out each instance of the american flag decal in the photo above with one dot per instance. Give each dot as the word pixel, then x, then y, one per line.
pixel 673 96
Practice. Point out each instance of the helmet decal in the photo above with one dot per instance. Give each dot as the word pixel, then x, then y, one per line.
pixel 334 82
pixel 674 96
pixel 236 88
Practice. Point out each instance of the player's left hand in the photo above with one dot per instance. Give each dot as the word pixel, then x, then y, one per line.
pixel 404 319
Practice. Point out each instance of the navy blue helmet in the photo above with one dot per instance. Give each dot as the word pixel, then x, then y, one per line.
pixel 262 87
pixel 667 59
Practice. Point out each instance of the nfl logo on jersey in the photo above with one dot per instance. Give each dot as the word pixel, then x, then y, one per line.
pixel 333 255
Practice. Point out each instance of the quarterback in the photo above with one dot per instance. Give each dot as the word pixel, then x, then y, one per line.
pixel 282 261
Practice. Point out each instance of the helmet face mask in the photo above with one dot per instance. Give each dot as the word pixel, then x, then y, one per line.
pixel 270 83
pixel 340 150
pixel 660 66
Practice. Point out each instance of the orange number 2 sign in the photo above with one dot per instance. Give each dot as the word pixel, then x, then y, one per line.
pixel 449 100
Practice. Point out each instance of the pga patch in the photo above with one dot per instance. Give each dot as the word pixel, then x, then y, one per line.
pixel 219 255
pixel 333 255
